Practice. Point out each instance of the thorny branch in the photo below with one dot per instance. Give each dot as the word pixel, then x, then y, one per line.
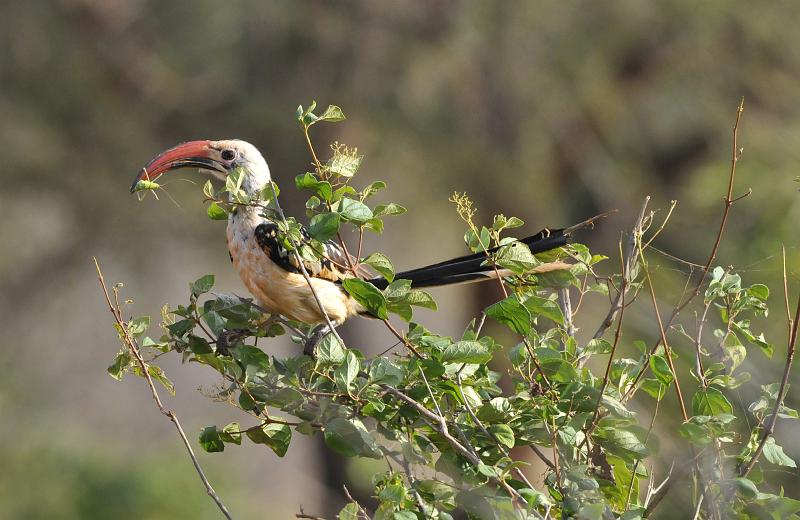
pixel 132 345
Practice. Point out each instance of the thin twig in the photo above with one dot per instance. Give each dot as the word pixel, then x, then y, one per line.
pixel 617 334
pixel 412 480
pixel 492 436
pixel 439 423
pixel 130 342
pixel 353 500
pixel 566 309
pixel 663 335
pixel 729 201
pixel 630 259
pixel 302 514
pixel 767 433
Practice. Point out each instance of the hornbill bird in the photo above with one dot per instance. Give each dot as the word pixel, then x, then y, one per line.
pixel 271 273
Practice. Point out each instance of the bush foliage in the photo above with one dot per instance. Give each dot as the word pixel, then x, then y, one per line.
pixel 457 434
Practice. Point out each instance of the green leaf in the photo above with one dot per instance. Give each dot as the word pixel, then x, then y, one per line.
pixel 285 398
pixel 403 310
pixel 121 363
pixel 214 320
pixel 330 350
pixel 138 326
pixel 306 117
pixel 332 114
pixel 354 211
pixel 517 257
pixel 375 225
pixel 382 264
pixel 397 290
pixel 478 243
pixel 208 190
pixel 386 210
pixel 349 512
pixel 710 401
pixel 202 285
pixel 405 515
pixel 372 189
pixel 759 291
pixel 216 212
pixel 501 222
pixel 346 373
pixel 180 328
pixel 539 306
pixel 384 371
pixel 466 352
pixel 345 164
pixel 270 192
pixel 367 295
pixel 622 442
pixel 158 374
pixel 308 181
pixel 743 328
pixel 199 345
pixel 660 368
pixel 234 180
pixel 420 298
pixel 695 433
pixel 210 440
pixel 231 433
pixel 349 437
pixel 503 433
pixel 654 388
pixel 324 226
pixel 598 346
pixel 276 436
pixel 511 313
pixel 495 410
pixel 775 454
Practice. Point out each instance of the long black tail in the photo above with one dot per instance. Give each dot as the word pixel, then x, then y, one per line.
pixel 468 268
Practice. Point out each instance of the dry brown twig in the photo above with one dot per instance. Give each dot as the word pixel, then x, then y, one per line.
pixel 787 368
pixel 628 263
pixel 132 345
pixel 728 201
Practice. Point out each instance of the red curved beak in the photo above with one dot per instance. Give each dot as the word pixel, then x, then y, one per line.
pixel 192 154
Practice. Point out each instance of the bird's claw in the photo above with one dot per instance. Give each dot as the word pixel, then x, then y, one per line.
pixel 227 338
pixel 309 348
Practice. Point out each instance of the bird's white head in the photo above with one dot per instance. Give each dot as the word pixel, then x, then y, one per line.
pixel 219 158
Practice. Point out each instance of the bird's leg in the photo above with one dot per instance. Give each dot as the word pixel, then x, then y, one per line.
pixel 309 349
pixel 228 338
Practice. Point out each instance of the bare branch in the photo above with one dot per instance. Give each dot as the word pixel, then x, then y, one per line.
pixel 628 263
pixel 132 345
pixel 729 200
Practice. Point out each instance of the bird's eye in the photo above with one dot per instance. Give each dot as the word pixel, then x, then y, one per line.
pixel 228 155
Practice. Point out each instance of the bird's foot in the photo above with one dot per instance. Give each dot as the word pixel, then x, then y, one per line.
pixel 309 349
pixel 227 338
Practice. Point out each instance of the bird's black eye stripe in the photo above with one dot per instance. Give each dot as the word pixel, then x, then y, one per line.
pixel 228 155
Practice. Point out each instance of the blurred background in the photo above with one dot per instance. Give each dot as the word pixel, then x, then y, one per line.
pixel 549 111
